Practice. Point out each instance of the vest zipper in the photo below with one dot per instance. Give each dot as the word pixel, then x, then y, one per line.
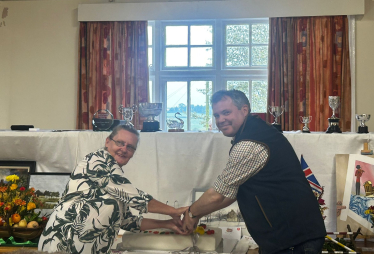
pixel 258 201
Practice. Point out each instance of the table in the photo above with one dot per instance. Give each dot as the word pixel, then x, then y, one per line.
pixel 170 165
pixel 6 249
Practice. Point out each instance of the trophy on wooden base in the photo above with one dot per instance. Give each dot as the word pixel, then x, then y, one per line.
pixel 366 150
pixel 334 102
pixel 276 111
pixel 150 110
pixel 363 118
pixel 174 125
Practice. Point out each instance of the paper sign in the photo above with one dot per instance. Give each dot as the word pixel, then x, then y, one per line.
pixel 231 233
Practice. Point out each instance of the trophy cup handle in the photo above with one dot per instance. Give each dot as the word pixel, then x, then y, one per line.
pixel 269 108
pixel 282 107
pixel 301 119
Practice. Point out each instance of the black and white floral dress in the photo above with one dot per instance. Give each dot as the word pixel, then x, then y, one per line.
pixel 93 207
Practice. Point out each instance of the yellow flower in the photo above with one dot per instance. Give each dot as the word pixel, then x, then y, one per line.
pixel 31 206
pixel 200 230
pixel 12 178
pixel 13 186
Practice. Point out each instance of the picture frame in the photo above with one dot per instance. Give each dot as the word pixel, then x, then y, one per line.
pixel 22 169
pixel 49 187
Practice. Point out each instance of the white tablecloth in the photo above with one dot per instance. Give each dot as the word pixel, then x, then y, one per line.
pixel 170 165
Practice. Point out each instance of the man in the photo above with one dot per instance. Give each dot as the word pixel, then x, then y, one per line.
pixel 358 175
pixel 264 175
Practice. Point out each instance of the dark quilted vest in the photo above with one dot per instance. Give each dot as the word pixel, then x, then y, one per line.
pixel 277 204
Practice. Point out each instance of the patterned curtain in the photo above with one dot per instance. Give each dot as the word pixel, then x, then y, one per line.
pixel 113 69
pixel 308 62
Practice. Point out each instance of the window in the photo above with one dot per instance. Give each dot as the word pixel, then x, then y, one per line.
pixel 190 60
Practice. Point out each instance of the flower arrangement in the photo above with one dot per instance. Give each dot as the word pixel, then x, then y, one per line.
pixel 18 205
pixel 370 211
pixel 321 202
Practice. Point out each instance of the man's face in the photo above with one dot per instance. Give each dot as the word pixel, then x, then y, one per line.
pixel 123 154
pixel 228 117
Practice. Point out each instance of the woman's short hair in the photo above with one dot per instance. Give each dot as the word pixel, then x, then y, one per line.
pixel 128 128
pixel 238 98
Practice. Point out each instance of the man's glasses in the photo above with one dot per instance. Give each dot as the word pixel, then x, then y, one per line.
pixel 131 148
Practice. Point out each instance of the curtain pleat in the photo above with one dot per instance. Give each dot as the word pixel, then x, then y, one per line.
pixel 308 62
pixel 113 69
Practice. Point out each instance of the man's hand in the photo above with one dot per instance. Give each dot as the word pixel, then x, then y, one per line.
pixel 178 212
pixel 189 224
pixel 175 225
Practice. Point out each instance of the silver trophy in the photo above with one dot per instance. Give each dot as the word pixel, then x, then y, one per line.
pixel 305 120
pixel 150 110
pixel 127 114
pixel 363 118
pixel 334 102
pixel 276 111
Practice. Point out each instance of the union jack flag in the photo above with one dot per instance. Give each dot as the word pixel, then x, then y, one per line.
pixel 310 176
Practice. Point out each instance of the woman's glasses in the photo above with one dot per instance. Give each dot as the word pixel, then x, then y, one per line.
pixel 131 148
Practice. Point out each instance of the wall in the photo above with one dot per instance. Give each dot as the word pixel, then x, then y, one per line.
pixel 365 63
pixel 38 63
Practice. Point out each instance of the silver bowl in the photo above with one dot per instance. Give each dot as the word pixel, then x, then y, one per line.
pixel 150 110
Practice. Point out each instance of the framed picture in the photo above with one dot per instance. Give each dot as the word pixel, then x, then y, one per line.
pixel 226 217
pixel 20 168
pixel 49 188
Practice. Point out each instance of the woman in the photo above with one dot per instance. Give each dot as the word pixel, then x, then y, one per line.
pixel 96 201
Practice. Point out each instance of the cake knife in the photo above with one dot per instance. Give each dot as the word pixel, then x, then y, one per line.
pixel 195 237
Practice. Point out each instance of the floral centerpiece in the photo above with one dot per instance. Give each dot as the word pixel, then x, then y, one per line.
pixel 321 202
pixel 18 206
pixel 370 211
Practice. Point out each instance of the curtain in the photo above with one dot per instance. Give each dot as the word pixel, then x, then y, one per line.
pixel 308 62
pixel 113 69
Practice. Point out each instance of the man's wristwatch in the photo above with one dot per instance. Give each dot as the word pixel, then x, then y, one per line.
pixel 190 214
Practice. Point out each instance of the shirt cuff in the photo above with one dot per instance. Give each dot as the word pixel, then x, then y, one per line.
pixel 148 198
pixel 228 191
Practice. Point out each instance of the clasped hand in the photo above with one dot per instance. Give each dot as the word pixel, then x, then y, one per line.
pixel 183 226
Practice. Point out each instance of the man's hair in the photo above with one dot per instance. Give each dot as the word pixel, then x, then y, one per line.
pixel 128 128
pixel 238 98
pixel 358 166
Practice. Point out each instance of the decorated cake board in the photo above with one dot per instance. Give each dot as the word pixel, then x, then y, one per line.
pixel 354 192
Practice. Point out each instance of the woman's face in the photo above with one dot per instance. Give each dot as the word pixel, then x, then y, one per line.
pixel 122 147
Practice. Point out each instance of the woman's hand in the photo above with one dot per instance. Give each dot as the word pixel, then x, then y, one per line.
pixel 175 224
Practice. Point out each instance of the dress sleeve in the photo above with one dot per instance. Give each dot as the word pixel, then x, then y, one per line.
pixel 131 222
pixel 246 159
pixel 106 175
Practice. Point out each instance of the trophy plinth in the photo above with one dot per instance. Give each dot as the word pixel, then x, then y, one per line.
pixel 305 120
pixel 334 102
pixel 151 126
pixel 366 150
pixel 333 125
pixel 150 110
pixel 363 118
pixel 363 129
pixel 276 111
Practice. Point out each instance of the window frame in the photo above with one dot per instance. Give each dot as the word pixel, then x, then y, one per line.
pixel 224 45
pixel 218 73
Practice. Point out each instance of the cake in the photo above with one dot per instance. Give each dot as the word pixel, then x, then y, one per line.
pixel 170 241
